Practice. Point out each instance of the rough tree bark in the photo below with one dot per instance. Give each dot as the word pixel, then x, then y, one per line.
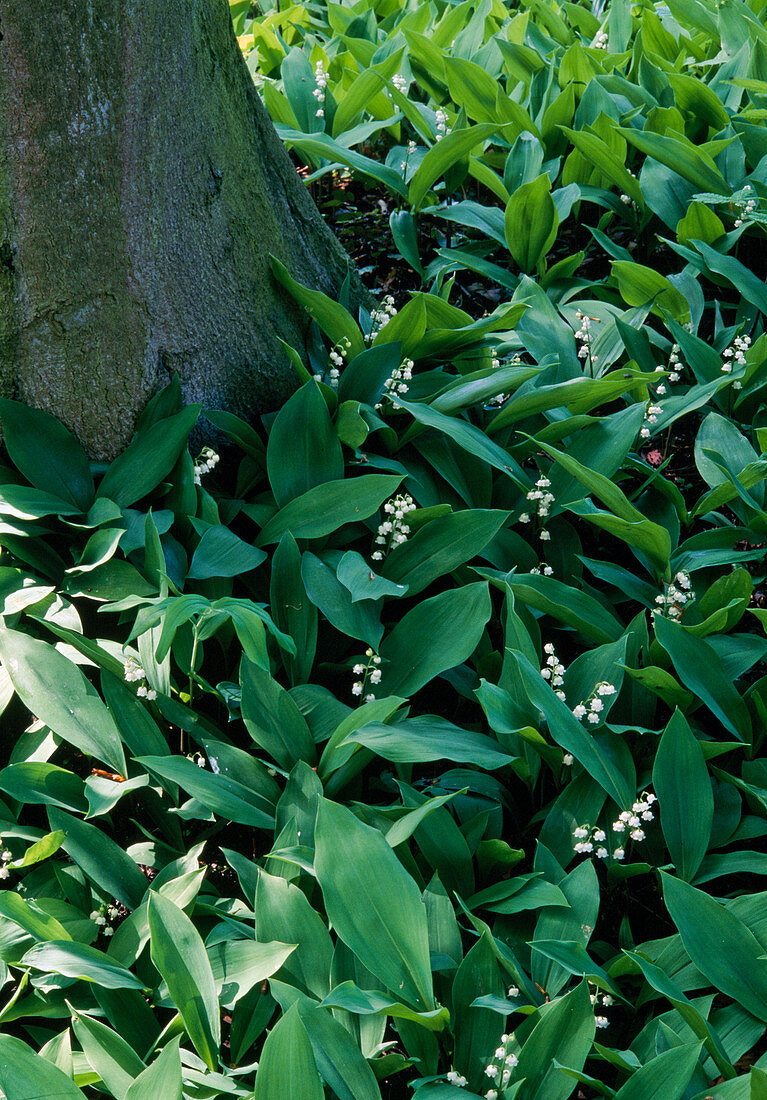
pixel 142 187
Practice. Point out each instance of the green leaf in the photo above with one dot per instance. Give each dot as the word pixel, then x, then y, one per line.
pixel 293 611
pixel 100 858
pixel 719 944
pixel 116 1063
pixel 26 1076
pixel 744 280
pixel 149 458
pixel 283 914
pixel 358 578
pixel 563 1034
pixel 687 807
pixel 221 553
pixel 333 318
pixel 55 690
pixel 437 634
pixel 640 285
pixel 373 903
pixel 76 960
pixel 44 784
pixel 272 718
pixel 426 738
pixel 663 1078
pixel 682 156
pixel 699 668
pixel 46 453
pixel 179 954
pixel 442 156
pixel 441 546
pixel 287 1067
pixel 324 509
pixel 303 449
pixel 336 603
pixel 29 916
pixel 218 793
pixel 531 223
pixel 161 1079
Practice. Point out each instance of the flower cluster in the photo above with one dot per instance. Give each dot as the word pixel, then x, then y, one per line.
pixel 456 1079
pixel 336 360
pixel 736 353
pixel 102 916
pixel 396 385
pixel 400 82
pixel 409 153
pixel 627 199
pixel 495 363
pixel 380 318
pixel 631 820
pixel 553 670
pixel 584 335
pixel 370 673
pixel 321 80
pixel 542 568
pixel 393 530
pixel 601 1002
pixel 133 672
pixel 500 1066
pixel 592 708
pixel 747 208
pixel 204 464
pixel 542 496
pixel 676 596
pixel 442 126
pixel 652 412
pixel 600 42
pixel 5 858
pixel 590 838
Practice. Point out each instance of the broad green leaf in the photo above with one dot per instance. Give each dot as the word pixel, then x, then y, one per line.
pixel 531 223
pixel 663 1078
pixel 221 553
pixel 680 155
pixel 562 1037
pixel 441 546
pixel 179 954
pixel 46 453
pixel 284 915
pixel 273 719
pixel 100 858
pixel 110 1056
pixel 699 668
pixel 442 156
pixel 44 784
pixel 356 618
pixel 55 690
pixel 686 807
pixel 373 903
pixel 148 459
pixel 303 449
pixel 427 738
pixel 434 636
pixel 76 960
pixel 24 1075
pixel 333 318
pixel 293 611
pixel 219 793
pixel 324 509
pixel 161 1079
pixel 29 916
pixel 287 1067
pixel 719 944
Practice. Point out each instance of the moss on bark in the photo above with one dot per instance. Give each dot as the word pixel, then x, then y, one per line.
pixel 142 188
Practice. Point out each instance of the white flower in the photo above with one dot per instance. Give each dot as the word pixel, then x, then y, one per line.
pixel 619 854
pixel 601 1021
pixel 492 1071
pixel 602 853
pixel 511 1060
pixel 599 834
pixel 593 718
pixel 524 517
pixel 513 992
pixel 579 711
pixel 100 919
pixel 132 670
pixel 637 834
pixel 568 759
pixel 357 688
pixel 94 915
pixel 619 826
pixel 581 831
pixel 491 1094
pixel 549 649
pixel 108 931
pixel 544 536
pixel 358 670
pixel 5 873
pixel 375 676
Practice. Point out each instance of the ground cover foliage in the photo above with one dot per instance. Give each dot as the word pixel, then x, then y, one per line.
pixel 416 747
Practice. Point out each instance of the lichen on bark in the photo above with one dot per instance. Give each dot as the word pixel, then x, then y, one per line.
pixel 142 188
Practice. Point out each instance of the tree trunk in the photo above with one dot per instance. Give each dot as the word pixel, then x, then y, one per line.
pixel 142 188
